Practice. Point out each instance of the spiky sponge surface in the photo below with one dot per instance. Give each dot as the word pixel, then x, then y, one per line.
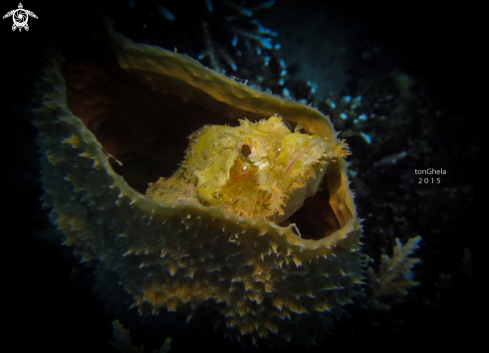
pixel 268 283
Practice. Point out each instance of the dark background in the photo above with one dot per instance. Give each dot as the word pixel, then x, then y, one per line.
pixel 47 296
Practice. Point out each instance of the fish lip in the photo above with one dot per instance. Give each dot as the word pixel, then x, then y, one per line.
pixel 261 165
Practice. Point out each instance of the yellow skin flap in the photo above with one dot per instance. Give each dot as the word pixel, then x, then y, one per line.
pixel 253 170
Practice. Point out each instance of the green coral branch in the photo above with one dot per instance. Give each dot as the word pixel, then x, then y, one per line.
pixel 390 285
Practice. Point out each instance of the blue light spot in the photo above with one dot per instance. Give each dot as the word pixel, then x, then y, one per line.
pixel 267 43
pixel 167 13
pixel 267 4
pixel 366 138
pixel 343 116
pixel 208 3
pixel 246 12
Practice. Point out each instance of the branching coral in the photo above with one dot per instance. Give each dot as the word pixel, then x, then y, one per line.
pixel 391 283
pixel 346 116
pixel 232 24
pixel 223 35
pixel 226 34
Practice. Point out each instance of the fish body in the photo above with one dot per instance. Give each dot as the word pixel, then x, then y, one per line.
pixel 254 170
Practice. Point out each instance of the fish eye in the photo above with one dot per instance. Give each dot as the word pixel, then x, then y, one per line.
pixel 245 150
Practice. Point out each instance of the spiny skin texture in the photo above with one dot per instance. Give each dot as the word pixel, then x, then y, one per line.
pixel 268 284
pixel 254 170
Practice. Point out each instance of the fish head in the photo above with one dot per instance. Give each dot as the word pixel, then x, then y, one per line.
pixel 257 169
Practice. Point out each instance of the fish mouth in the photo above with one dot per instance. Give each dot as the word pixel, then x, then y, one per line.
pixel 318 216
pixel 261 165
pixel 297 155
pixel 297 196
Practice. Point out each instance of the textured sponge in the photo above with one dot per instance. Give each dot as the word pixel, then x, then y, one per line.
pixel 108 124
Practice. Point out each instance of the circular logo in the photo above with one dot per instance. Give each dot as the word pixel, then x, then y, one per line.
pixel 20 17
